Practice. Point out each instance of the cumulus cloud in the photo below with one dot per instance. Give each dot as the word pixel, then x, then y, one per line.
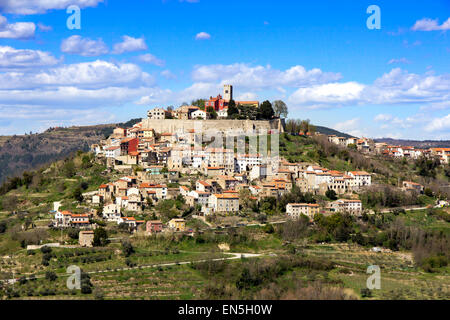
pixel 150 58
pixel 328 95
pixel 427 24
pixel 129 44
pixel 18 30
pixel 400 86
pixel 261 77
pixel 11 58
pixel 395 87
pixel 86 75
pixel 84 46
pixel 27 7
pixel 82 86
pixel 202 36
pixel 438 124
pixel 196 90
pixel 318 89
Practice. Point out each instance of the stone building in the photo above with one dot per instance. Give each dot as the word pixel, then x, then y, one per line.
pixel 86 238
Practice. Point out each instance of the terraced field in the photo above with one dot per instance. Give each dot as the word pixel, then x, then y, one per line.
pixel 399 278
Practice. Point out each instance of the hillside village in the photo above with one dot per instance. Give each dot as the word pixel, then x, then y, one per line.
pixel 150 152
pixel 368 146
pixel 159 166
pixel 159 192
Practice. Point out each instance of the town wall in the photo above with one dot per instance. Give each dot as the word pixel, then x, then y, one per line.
pixel 176 125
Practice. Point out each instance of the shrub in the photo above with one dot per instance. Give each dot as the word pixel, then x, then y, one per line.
pixel 46 249
pixel 127 248
pixel 51 276
pixel 366 293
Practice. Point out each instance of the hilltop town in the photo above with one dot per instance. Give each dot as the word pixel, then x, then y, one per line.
pixel 218 181
pixel 154 167
pixel 159 166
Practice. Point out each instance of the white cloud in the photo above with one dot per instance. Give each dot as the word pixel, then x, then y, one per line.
pixel 42 27
pixel 88 75
pixel 11 58
pixel 195 91
pixel 155 95
pixel 129 44
pixel 438 124
pixel 400 86
pixel 84 46
pixel 39 118
pixel 395 87
pixel 389 121
pixel 400 60
pixel 436 106
pixel 202 36
pixel 27 7
pixel 427 24
pixel 149 58
pixel 18 30
pixel 247 96
pixel 261 77
pixel 81 86
pixel 351 126
pixel 410 45
pixel 383 117
pixel 328 95
pixel 72 97
pixel 168 74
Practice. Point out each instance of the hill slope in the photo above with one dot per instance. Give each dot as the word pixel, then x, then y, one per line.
pixel 329 131
pixel 26 152
pixel 416 143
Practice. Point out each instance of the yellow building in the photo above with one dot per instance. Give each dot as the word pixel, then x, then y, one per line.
pixel 146 133
pixel 177 224
pixel 295 210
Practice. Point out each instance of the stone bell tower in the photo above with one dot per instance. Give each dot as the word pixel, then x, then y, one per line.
pixel 227 92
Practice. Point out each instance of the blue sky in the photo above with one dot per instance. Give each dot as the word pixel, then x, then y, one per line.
pixel 319 57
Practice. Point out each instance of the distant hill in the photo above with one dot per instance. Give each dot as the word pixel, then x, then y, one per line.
pixel 19 153
pixel 425 144
pixel 329 131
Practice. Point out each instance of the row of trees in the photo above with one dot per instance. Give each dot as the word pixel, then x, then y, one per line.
pixel 266 110
pixel 294 126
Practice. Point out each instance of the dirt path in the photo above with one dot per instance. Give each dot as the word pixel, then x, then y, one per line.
pixel 233 256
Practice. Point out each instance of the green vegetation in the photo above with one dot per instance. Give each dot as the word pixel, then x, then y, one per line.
pixel 325 258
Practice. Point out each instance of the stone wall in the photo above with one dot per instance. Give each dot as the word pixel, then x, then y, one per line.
pixel 176 125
